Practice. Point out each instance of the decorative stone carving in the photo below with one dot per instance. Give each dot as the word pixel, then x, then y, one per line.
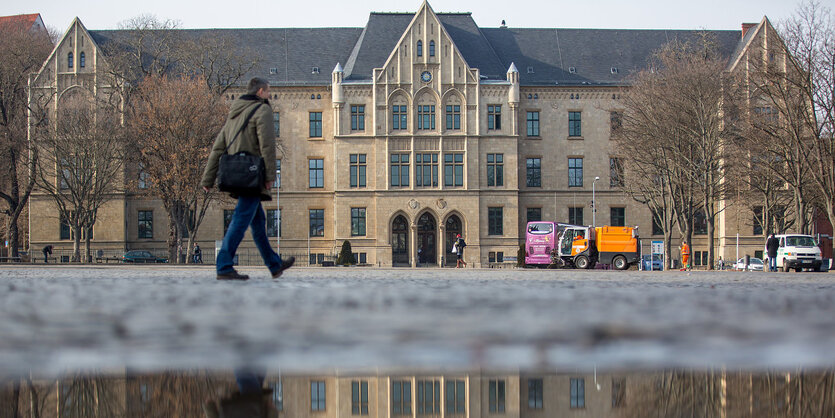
pixel 441 204
pixel 414 204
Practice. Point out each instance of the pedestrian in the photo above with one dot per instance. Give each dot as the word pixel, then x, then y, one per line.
pixel 47 251
pixel 685 256
pixel 720 265
pixel 198 254
pixel 257 137
pixel 459 245
pixel 251 400
pixel 771 246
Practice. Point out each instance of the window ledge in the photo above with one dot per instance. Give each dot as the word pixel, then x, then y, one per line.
pixel 575 138
pixel 536 137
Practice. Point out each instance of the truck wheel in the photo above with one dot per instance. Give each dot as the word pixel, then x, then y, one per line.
pixel 582 262
pixel 620 263
pixel 798 269
pixel 785 268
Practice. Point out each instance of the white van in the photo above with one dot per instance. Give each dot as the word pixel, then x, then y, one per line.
pixel 798 252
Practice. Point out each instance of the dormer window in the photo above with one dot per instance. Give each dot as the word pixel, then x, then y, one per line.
pixel 70 60
pixel 419 48
pixel 314 70
pixel 431 48
pixel 81 60
pixel 530 70
pixel 273 70
pixel 572 70
pixel 614 70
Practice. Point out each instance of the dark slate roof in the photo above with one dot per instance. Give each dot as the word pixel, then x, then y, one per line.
pixel 288 51
pixel 591 52
pixel 550 53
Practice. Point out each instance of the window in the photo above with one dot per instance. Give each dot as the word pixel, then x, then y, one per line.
pixel 575 172
pixel 401 397
pixel 615 172
pixel 357 222
pixel 758 220
pixel 359 397
pixel 82 60
pixel 398 117
pixel 453 117
pixel 575 216
pixel 578 393
pixel 64 175
pixel 357 117
pixel 65 229
pixel 497 395
pixel 615 122
pixel 533 176
pixel 429 397
pixel 657 228
pixel 276 123
pixel 454 169
pixel 534 214
pixel 618 392
pixel 456 397
pixel 574 124
pixel 431 48
pixel 318 258
pixel 70 60
pixel 618 216
pixel 316 173
pixel 227 219
pixel 426 170
pixel 495 221
pixel 420 48
pixel 495 169
pixel 277 182
pixel 535 393
pixel 317 222
pixel 143 177
pixel 699 258
pixel 146 224
pixel 426 117
pixel 699 222
pixel 317 395
pixel 357 170
pixel 400 170
pixel 533 123
pixel 315 124
pixel 495 257
pixel 273 223
pixel 360 258
pixel 494 117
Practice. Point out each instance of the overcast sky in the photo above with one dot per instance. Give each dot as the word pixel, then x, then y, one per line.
pixel 639 14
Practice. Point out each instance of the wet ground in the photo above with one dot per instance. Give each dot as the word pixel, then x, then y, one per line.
pixel 154 318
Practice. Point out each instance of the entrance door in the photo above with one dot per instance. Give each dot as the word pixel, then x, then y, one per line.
pixel 453 228
pixel 427 236
pixel 400 242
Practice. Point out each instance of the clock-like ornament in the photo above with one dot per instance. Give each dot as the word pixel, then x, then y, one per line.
pixel 426 76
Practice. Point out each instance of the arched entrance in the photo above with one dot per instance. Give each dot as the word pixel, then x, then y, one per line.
pixel 453 228
pixel 400 242
pixel 427 233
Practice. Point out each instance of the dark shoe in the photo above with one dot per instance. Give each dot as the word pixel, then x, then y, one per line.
pixel 233 275
pixel 284 266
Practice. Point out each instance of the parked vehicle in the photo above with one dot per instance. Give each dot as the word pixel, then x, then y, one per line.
pixel 652 262
pixel 798 252
pixel 754 264
pixel 577 246
pixel 142 256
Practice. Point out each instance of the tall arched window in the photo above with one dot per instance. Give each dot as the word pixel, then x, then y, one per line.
pixel 420 48
pixel 81 60
pixel 431 48
pixel 70 60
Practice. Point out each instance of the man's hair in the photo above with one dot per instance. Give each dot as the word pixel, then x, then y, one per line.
pixel 257 83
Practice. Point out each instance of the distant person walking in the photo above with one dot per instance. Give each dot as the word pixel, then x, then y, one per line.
pixel 772 244
pixel 47 251
pixel 685 256
pixel 249 129
pixel 198 255
pixel 459 253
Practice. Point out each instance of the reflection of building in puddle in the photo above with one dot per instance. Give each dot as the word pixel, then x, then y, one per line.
pixel 450 394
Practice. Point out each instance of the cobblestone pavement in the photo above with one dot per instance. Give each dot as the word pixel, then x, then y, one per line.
pixel 152 317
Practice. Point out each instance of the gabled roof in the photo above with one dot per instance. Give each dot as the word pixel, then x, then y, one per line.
pixel 27 20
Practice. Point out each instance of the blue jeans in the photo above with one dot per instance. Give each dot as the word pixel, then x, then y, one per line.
pixel 772 263
pixel 248 214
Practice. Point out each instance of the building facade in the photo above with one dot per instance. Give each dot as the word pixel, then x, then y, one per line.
pixel 418 127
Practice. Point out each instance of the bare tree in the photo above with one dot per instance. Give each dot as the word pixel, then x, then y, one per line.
pixel 174 122
pixel 82 156
pixel 22 52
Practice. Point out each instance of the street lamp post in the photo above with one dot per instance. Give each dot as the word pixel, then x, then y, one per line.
pixel 593 206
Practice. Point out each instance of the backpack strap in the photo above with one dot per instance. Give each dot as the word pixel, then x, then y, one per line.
pixel 246 122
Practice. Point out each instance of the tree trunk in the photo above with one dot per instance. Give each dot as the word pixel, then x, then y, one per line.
pixel 76 244
pixel 34 400
pixel 88 256
pixel 16 399
pixel 710 241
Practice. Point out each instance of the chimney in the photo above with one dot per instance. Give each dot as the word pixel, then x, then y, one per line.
pixel 746 26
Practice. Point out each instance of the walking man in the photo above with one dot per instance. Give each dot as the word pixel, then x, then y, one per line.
pixel 257 137
pixel 685 256
pixel 460 244
pixel 771 246
pixel 47 251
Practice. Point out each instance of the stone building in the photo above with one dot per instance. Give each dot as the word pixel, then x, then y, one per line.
pixel 417 127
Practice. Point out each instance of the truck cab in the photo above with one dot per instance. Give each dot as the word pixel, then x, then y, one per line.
pixel 798 252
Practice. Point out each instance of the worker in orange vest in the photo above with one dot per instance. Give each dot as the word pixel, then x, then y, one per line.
pixel 685 256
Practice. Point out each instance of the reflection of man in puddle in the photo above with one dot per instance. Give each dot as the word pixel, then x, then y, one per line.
pixel 251 400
